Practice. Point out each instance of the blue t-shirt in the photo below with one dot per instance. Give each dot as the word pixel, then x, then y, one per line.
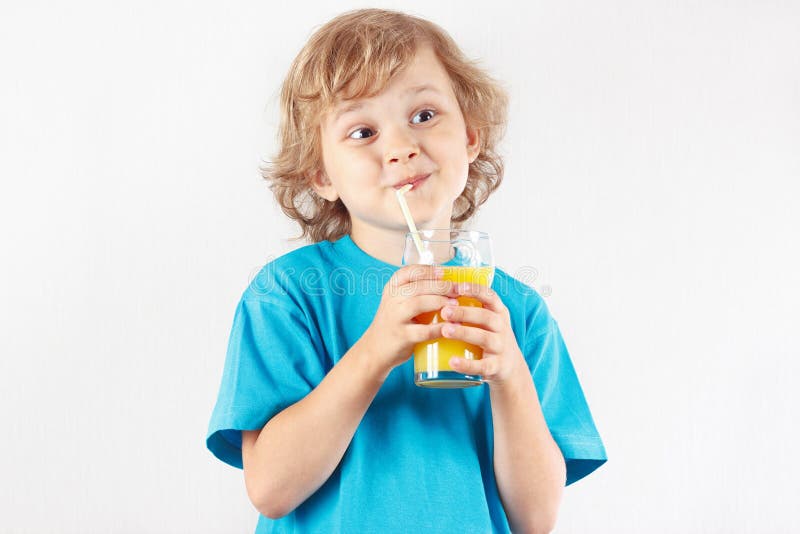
pixel 420 458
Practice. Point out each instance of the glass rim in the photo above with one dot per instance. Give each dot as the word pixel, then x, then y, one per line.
pixel 420 233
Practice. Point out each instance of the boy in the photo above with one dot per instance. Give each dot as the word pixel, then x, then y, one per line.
pixel 317 402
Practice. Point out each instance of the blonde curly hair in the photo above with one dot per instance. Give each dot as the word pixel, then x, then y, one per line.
pixel 355 55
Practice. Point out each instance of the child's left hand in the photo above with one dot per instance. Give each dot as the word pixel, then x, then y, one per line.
pixel 502 358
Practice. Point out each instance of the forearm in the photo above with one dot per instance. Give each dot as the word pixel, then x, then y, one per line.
pixel 528 465
pixel 299 448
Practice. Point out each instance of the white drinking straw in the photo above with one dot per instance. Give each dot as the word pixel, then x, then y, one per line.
pixel 407 214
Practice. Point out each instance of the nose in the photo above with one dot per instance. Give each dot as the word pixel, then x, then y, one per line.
pixel 400 147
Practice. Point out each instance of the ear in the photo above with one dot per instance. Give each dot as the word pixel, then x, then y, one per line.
pixel 473 143
pixel 323 186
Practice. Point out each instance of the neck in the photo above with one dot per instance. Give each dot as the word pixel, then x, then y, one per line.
pixel 382 243
pixel 386 244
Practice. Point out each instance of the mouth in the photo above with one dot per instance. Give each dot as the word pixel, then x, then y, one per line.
pixel 415 181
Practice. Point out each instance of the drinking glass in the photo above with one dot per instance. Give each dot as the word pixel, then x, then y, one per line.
pixel 466 256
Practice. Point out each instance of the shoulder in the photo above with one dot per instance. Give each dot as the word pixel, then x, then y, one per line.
pixel 514 290
pixel 523 301
pixel 287 274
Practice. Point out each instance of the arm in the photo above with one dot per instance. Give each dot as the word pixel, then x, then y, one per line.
pixel 298 449
pixel 528 465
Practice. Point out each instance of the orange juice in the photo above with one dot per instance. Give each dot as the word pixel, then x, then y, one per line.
pixel 432 358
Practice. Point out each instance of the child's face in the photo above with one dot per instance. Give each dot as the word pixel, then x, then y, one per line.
pixel 398 134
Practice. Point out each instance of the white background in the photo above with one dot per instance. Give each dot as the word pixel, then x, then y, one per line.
pixel 653 157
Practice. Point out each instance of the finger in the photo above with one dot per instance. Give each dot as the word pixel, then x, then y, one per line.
pixel 417 333
pixel 425 287
pixel 486 367
pixel 410 273
pixel 473 316
pixel 485 294
pixel 489 341
pixel 427 303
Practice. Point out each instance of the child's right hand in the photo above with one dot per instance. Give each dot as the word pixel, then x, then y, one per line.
pixel 411 291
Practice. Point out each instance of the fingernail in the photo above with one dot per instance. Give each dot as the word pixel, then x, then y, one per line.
pixel 448 329
pixel 454 362
pixel 452 302
pixel 447 312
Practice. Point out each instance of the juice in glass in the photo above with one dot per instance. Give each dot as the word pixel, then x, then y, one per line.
pixel 432 358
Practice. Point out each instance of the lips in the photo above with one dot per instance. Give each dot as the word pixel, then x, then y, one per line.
pixel 415 180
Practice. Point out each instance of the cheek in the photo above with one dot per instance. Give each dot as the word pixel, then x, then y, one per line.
pixel 348 165
pixel 452 143
pixel 453 159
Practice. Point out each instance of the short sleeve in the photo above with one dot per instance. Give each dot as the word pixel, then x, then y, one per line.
pixel 272 362
pixel 563 404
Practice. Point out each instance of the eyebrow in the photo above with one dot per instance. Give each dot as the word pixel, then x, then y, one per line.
pixel 355 106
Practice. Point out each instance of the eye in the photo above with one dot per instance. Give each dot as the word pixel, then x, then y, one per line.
pixel 361 135
pixel 424 113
